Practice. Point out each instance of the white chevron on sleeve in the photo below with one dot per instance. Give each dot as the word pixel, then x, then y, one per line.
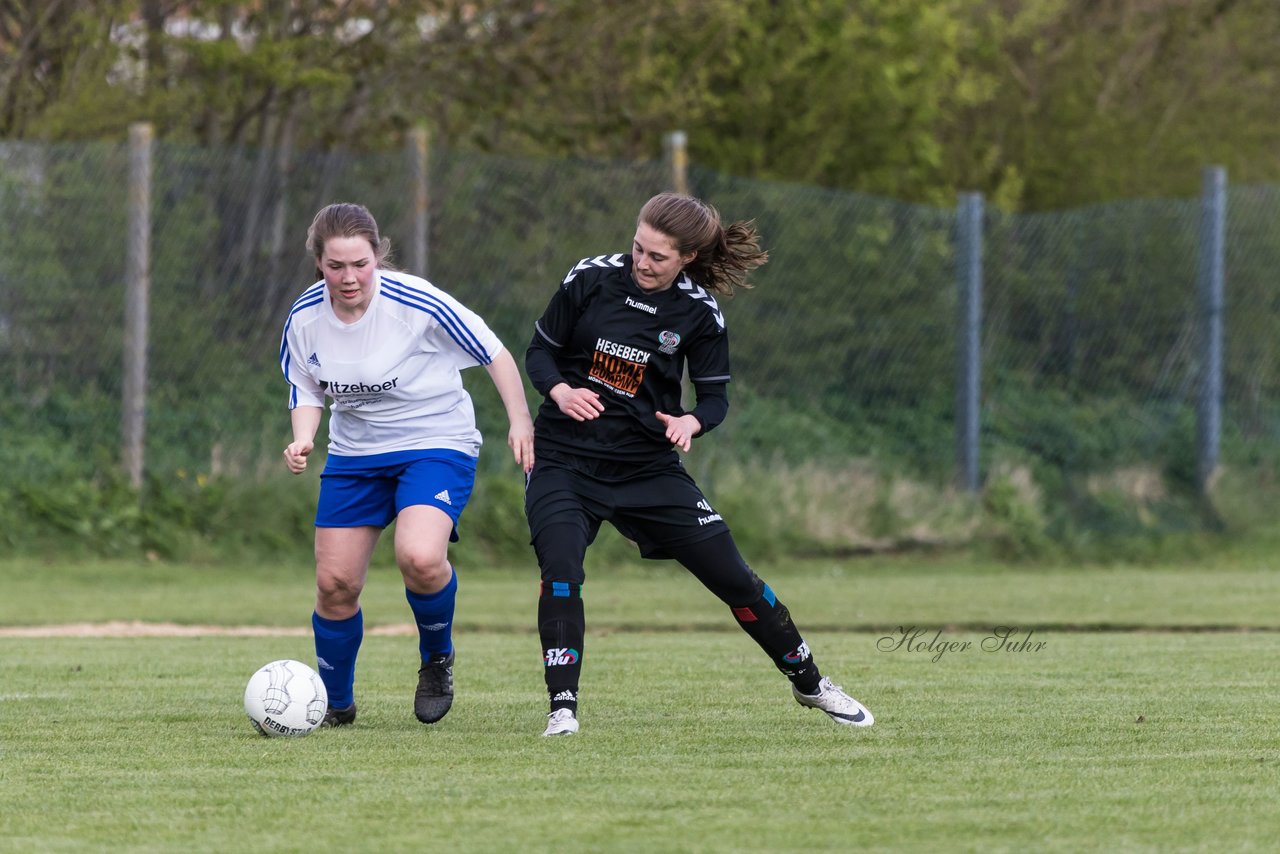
pixel 699 293
pixel 614 260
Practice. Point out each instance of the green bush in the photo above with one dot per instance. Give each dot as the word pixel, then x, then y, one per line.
pixel 1062 476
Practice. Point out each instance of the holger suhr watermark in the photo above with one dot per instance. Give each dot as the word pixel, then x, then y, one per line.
pixel 1001 639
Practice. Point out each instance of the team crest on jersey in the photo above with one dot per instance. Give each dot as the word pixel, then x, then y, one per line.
pixel 669 341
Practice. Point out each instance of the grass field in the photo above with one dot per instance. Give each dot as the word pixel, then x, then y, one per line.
pixel 1140 716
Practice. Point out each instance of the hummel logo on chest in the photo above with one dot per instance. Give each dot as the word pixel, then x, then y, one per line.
pixel 651 309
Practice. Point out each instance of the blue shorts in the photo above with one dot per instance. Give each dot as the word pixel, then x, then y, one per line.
pixel 372 490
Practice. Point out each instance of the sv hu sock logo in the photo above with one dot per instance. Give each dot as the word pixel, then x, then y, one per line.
pixel 798 655
pixel 560 655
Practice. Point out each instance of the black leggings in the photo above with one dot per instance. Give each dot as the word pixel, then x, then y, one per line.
pixel 715 562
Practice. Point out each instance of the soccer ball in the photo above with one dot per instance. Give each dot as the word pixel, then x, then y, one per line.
pixel 285 697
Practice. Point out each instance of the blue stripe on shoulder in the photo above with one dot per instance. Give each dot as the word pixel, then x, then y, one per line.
pixel 297 307
pixel 442 312
pixel 307 296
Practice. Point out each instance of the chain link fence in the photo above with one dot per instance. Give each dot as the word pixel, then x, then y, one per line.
pixel 846 349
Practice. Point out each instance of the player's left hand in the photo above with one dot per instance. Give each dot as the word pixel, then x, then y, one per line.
pixel 520 441
pixel 680 429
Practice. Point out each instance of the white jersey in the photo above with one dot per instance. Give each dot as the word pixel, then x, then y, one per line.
pixel 393 375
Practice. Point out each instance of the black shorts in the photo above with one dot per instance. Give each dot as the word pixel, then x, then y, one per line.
pixel 656 504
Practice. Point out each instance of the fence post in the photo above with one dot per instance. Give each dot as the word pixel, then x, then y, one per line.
pixel 137 293
pixel 676 146
pixel 969 338
pixel 1211 275
pixel 417 149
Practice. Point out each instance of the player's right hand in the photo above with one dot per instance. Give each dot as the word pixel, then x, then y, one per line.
pixel 580 404
pixel 295 456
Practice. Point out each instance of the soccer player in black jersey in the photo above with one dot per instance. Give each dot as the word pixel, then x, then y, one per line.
pixel 608 355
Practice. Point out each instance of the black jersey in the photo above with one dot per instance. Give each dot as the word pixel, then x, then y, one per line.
pixel 603 332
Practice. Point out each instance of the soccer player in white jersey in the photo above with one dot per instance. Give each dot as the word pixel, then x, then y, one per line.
pixel 608 354
pixel 387 348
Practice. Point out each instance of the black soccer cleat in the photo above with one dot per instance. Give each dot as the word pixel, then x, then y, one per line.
pixel 434 696
pixel 339 717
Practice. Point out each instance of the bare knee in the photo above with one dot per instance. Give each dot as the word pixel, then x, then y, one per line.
pixel 342 564
pixel 425 572
pixel 337 595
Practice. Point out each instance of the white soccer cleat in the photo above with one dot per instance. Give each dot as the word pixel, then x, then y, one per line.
pixel 561 722
pixel 838 705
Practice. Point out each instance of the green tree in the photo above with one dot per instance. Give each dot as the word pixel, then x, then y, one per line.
pixel 1040 104
pixel 1119 98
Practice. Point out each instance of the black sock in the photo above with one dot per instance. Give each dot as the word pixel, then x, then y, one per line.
pixel 769 624
pixel 562 627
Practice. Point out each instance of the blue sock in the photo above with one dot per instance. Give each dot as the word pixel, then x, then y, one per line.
pixel 433 612
pixel 337 642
